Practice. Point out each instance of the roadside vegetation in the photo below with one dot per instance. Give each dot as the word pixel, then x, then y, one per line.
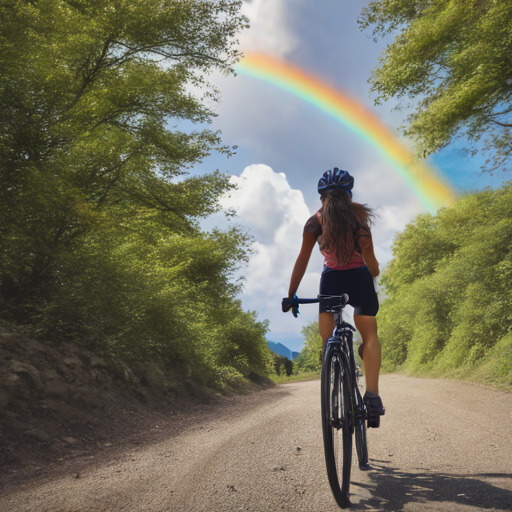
pixel 295 377
pixel 100 240
pixel 449 306
pixel 291 371
pixel 310 357
pixel 448 288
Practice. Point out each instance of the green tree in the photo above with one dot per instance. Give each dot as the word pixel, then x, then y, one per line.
pixel 100 241
pixel 455 59
pixel 310 357
pixel 89 92
pixel 282 365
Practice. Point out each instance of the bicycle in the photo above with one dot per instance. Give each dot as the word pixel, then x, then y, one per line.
pixel 343 409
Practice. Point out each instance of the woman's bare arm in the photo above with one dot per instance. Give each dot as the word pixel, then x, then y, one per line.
pixel 308 242
pixel 366 245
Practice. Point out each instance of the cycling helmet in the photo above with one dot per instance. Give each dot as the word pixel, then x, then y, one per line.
pixel 336 179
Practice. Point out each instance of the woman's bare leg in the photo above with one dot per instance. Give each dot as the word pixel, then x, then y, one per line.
pixel 325 326
pixel 367 327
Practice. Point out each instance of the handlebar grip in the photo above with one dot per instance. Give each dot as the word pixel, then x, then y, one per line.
pixel 292 304
pixel 287 303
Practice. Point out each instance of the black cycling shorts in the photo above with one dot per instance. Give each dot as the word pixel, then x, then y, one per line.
pixel 357 283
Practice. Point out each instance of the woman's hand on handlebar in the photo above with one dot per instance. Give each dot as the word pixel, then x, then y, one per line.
pixel 290 303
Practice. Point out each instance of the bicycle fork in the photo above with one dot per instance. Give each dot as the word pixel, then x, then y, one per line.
pixel 336 397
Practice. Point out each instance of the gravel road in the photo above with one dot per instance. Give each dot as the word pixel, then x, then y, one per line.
pixel 442 446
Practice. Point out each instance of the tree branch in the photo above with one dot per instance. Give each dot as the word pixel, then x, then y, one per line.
pixel 505 125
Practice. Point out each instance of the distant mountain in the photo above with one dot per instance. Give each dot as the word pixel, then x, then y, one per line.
pixel 279 348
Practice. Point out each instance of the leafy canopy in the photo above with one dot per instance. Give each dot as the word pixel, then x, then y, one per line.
pixel 455 58
pixel 89 92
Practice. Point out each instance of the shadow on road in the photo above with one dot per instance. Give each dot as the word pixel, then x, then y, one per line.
pixel 392 489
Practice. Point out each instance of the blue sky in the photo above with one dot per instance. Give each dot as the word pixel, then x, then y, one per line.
pixel 285 144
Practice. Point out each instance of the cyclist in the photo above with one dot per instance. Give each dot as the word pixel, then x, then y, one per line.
pixel 342 229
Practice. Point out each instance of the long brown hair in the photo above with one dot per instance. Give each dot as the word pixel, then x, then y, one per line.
pixel 341 220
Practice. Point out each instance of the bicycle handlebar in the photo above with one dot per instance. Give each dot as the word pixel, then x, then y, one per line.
pixel 288 303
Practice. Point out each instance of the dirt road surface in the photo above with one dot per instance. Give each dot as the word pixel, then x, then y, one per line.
pixel 442 446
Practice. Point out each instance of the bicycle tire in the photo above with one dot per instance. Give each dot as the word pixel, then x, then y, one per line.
pixel 361 442
pixel 360 430
pixel 336 404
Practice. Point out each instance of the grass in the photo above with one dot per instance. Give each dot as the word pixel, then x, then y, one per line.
pixel 283 379
pixel 494 369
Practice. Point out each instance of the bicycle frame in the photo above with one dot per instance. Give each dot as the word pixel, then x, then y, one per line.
pixel 342 337
pixel 342 340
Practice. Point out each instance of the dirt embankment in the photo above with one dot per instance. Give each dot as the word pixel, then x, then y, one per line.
pixel 62 402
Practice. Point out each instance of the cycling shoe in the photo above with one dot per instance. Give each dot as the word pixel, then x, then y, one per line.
pixel 373 404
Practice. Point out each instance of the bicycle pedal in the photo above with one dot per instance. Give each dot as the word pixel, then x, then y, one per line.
pixel 373 420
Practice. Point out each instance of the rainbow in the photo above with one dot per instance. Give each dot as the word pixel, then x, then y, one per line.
pixel 423 179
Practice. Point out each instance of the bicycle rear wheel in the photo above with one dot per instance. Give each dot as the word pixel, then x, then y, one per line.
pixel 336 424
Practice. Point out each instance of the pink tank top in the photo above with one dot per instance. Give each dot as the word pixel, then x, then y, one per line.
pixel 314 226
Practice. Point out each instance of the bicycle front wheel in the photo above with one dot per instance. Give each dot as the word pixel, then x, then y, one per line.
pixel 360 428
pixel 336 418
pixel 361 443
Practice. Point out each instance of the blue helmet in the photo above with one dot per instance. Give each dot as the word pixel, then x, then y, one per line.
pixel 336 179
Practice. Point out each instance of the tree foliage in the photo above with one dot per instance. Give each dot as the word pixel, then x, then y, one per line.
pixel 100 242
pixel 87 92
pixel 310 357
pixel 282 365
pixel 455 59
pixel 449 285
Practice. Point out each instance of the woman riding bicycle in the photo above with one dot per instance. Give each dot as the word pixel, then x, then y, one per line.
pixel 342 230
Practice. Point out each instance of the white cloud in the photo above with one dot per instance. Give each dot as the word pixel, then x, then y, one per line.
pixel 269 32
pixel 392 218
pixel 275 215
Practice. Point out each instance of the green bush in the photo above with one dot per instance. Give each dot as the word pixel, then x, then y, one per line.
pixel 282 365
pixel 449 301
